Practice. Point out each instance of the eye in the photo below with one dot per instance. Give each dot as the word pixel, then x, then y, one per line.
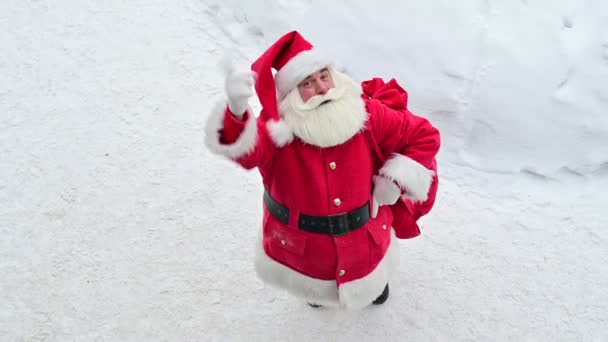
pixel 306 84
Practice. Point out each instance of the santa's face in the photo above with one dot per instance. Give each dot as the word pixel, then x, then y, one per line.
pixel 318 83
pixel 328 117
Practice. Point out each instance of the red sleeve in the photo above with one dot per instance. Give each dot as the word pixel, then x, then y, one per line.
pixel 233 127
pixel 399 132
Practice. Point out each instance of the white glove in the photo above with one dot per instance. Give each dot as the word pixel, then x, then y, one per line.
pixel 239 88
pixel 385 193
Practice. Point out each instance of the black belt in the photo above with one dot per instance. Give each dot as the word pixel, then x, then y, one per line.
pixel 334 225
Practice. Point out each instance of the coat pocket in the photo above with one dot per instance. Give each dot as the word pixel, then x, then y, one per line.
pixel 379 233
pixel 286 247
pixel 380 228
pixel 380 237
pixel 282 239
pixel 288 242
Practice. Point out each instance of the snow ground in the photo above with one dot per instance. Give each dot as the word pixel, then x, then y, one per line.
pixel 118 225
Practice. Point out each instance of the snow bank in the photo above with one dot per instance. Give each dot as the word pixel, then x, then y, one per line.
pixel 514 86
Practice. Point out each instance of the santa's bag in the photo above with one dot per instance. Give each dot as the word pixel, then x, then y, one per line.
pixel 405 212
pixel 389 93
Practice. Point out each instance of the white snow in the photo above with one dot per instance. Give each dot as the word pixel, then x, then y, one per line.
pixel 117 224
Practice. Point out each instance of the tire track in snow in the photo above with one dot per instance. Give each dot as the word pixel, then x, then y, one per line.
pixel 476 131
pixel 481 65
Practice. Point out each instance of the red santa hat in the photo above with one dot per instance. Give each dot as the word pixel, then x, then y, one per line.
pixel 293 58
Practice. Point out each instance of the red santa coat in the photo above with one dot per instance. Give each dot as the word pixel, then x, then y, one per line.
pixel 349 270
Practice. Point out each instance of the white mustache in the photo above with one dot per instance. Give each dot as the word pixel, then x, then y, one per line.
pixel 317 100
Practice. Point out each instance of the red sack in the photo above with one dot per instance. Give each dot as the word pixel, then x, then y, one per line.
pixel 405 212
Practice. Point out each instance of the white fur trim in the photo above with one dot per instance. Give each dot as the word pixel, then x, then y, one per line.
pixel 280 134
pixel 355 294
pixel 411 175
pixel 298 68
pixel 243 145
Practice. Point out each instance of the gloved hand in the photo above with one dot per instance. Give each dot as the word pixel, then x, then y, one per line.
pixel 239 88
pixel 386 192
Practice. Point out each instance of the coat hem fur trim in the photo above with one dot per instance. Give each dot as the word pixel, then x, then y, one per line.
pixel 354 294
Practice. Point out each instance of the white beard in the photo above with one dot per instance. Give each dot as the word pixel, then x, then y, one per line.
pixel 328 124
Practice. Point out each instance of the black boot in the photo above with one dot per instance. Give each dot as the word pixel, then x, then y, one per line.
pixel 382 297
pixel 313 305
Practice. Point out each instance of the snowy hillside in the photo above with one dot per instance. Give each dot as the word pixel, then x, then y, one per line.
pixel 515 86
pixel 118 225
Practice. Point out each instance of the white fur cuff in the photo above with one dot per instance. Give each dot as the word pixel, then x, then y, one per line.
pixel 411 175
pixel 243 145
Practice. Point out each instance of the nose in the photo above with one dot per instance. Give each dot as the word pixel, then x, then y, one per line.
pixel 322 88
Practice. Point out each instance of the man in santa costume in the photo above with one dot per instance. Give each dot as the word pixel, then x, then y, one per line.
pixel 346 169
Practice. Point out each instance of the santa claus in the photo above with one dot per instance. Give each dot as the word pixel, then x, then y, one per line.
pixel 346 170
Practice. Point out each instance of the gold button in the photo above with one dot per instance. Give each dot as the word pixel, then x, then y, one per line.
pixel 337 202
pixel 283 242
pixel 332 165
pixel 383 227
pixel 341 273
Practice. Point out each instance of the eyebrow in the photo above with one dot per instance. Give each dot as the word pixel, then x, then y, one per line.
pixel 310 77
